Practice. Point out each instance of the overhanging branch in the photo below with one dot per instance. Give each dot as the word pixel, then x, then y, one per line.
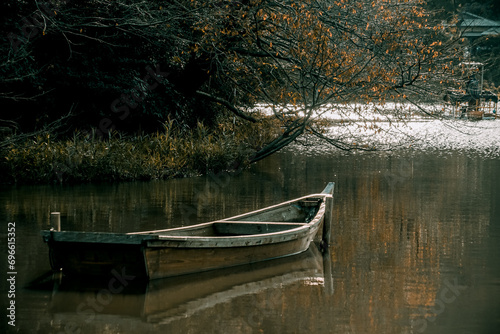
pixel 280 142
pixel 228 105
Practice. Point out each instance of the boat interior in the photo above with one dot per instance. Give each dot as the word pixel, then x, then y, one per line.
pixel 231 228
pixel 275 219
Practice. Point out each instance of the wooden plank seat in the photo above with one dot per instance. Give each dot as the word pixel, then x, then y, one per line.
pixel 227 228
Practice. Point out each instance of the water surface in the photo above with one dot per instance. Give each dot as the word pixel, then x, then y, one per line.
pixel 415 248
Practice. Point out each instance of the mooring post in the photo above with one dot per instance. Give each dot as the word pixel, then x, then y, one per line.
pixel 327 220
pixel 325 242
pixel 55 220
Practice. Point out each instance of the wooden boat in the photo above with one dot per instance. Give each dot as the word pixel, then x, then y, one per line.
pixel 277 231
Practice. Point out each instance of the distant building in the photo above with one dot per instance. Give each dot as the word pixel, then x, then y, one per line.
pixel 474 26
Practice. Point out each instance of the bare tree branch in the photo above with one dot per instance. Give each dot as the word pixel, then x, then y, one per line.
pixel 228 105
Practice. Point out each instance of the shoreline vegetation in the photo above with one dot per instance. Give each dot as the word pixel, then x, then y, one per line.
pixel 184 94
pixel 175 152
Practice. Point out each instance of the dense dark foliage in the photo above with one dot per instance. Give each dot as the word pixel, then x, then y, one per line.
pixel 131 65
pixel 96 59
pixel 96 66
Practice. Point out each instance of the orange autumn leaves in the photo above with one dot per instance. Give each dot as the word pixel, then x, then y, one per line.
pixel 296 57
pixel 315 52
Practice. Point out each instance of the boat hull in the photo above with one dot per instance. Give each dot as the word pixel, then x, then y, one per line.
pixel 96 259
pixel 277 231
pixel 165 258
pixel 172 261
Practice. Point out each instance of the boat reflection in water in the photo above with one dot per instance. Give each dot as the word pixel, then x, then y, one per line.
pixel 166 300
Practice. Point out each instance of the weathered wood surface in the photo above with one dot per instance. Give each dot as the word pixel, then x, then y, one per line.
pixel 97 259
pixel 234 228
pixel 55 220
pixel 168 240
pixel 173 261
pixel 289 213
pixel 329 188
pixel 327 221
pixel 280 230
pixel 95 237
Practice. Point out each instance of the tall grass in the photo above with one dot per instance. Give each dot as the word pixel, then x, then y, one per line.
pixel 175 152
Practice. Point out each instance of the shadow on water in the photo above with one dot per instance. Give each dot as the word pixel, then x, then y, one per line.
pixel 78 299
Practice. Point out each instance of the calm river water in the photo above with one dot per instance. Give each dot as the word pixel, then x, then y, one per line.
pixel 415 248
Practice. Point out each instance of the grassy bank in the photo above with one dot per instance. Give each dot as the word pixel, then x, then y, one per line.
pixel 173 153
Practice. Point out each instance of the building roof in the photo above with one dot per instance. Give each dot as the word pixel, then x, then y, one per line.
pixel 489 32
pixel 472 20
pixel 474 26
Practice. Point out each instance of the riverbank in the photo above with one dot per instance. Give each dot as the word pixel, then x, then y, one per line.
pixel 173 153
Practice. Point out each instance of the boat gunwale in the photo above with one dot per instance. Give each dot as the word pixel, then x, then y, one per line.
pixel 155 239
pixel 231 219
pixel 301 231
